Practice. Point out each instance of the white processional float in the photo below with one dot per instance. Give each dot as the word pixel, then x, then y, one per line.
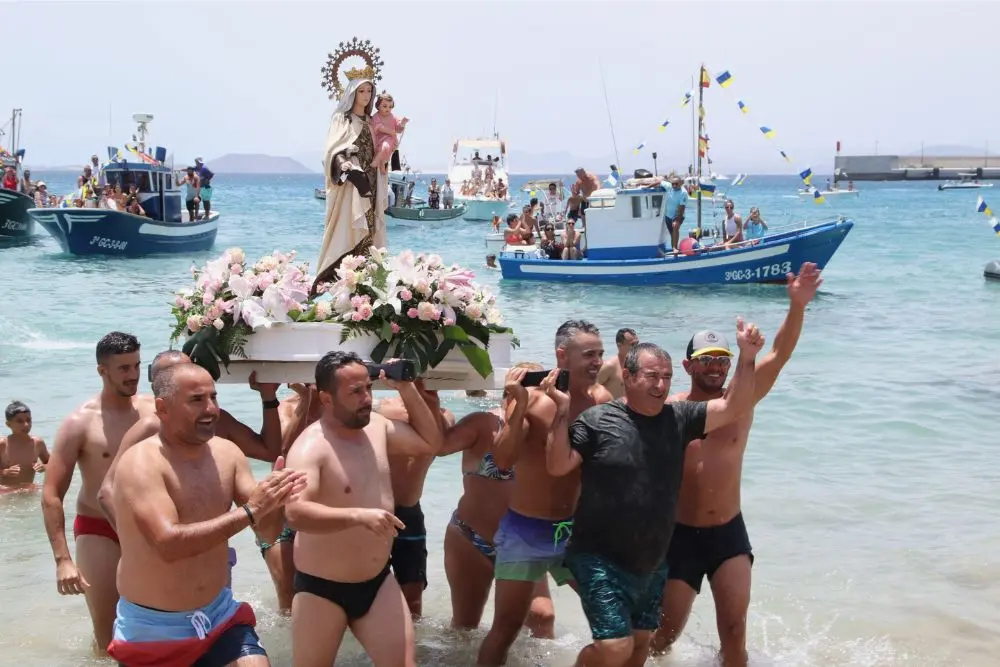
pixel 273 317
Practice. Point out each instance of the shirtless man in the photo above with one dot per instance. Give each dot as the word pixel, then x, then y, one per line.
pixel 611 372
pixel 344 517
pixel 531 539
pixel 90 436
pixel 711 538
pixel 21 454
pixel 265 446
pixel 173 495
pixel 408 473
pixel 587 183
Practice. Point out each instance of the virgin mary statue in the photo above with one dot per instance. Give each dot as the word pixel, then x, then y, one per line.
pixel 356 194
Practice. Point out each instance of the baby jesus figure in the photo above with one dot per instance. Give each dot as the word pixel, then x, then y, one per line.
pixel 385 128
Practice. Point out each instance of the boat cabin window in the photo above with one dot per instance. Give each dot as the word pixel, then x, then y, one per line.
pixel 637 207
pixel 657 203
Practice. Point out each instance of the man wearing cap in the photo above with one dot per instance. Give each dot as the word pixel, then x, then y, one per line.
pixel 205 175
pixel 673 210
pixel 710 539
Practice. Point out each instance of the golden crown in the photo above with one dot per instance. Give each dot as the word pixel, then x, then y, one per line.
pixel 360 73
pixel 335 61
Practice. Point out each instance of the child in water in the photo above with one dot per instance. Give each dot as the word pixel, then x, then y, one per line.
pixel 21 454
pixel 385 129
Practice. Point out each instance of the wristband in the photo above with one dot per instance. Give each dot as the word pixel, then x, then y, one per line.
pixel 246 509
pixel 271 404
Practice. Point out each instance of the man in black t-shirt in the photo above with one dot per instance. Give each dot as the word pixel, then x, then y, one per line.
pixel 631 456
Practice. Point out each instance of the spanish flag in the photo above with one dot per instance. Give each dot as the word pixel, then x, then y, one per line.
pixel 768 132
pixel 705 79
pixel 743 107
pixel 818 196
pixel 724 79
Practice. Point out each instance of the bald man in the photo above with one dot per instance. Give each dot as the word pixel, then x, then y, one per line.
pixel 179 496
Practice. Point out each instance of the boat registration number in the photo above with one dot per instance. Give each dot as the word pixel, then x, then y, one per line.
pixel 776 270
pixel 14 225
pixel 110 244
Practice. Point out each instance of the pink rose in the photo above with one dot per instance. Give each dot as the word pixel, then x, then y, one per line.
pixel 365 312
pixel 356 316
pixel 208 299
pixel 427 312
pixel 405 295
pixel 412 313
pixel 449 322
pixel 395 327
pixel 236 269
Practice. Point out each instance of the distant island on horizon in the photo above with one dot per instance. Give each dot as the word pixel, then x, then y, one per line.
pixel 257 163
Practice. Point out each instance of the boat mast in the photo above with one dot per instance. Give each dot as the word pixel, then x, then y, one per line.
pixel 694 134
pixel 607 106
pixel 15 131
pixel 702 74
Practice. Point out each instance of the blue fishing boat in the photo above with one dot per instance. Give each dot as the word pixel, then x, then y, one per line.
pixel 14 220
pixel 161 225
pixel 625 242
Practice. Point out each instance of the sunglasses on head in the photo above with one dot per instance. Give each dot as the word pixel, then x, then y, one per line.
pixel 710 360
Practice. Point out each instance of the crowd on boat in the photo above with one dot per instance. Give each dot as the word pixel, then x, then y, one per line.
pixel 483 181
pixel 343 535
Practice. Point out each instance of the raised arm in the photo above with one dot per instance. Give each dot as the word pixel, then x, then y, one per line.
pixel 468 431
pixel 263 446
pixel 422 435
pixel 801 290
pixel 516 426
pixel 738 398
pixel 65 453
pixel 142 429
pixel 560 458
pixel 295 420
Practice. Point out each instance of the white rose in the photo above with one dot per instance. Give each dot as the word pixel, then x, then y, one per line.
pixel 323 310
pixel 218 323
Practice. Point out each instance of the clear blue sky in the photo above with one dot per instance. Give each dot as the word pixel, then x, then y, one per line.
pixel 244 77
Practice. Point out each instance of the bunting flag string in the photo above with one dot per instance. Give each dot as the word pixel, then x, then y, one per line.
pixel 983 207
pixel 688 97
pixel 725 80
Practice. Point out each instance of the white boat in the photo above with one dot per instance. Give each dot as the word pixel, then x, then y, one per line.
pixel 966 182
pixel 473 155
pixel 830 192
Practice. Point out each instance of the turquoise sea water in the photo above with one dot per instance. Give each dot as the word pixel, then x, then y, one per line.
pixel 870 478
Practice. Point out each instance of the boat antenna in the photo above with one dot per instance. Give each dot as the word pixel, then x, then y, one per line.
pixel 607 105
pixel 496 105
pixel 702 76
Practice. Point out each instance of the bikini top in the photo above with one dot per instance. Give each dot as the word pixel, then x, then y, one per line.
pixel 488 468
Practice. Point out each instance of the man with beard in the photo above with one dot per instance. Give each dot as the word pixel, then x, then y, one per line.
pixel 90 437
pixel 631 455
pixel 531 539
pixel 173 495
pixel 711 539
pixel 344 519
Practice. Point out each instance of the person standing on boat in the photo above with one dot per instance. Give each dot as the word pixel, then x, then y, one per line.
pixel 205 176
pixel 673 210
pixel 447 194
pixel 433 195
pixel 711 538
pixel 356 193
pixel 191 184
